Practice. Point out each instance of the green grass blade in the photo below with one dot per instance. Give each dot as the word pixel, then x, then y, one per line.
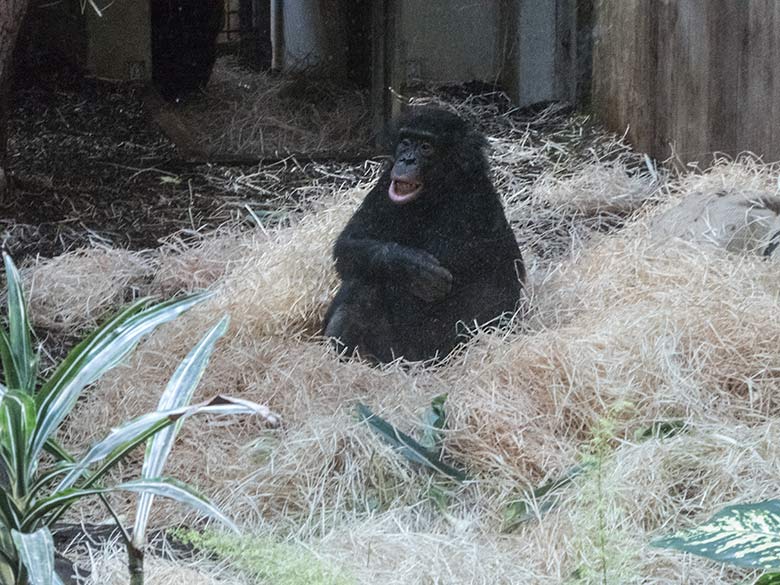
pixel 19 340
pixel 407 446
pixel 177 393
pixel 36 550
pixel 769 579
pixel 101 352
pixel 746 535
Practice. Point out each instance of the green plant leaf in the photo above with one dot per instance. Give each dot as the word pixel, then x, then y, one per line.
pixel 163 487
pixel 177 393
pixel 22 373
pixel 180 492
pixel 8 553
pixel 97 354
pixel 407 446
pixel 434 422
pixel 129 435
pixel 747 535
pixel 17 413
pixel 10 515
pixel 36 550
pixel 769 579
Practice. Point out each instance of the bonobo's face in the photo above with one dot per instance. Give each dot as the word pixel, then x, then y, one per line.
pixel 413 155
pixel 427 138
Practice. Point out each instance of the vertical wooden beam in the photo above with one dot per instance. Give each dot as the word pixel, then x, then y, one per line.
pixel 757 118
pixel 261 23
pixel 378 64
pixel 726 28
pixel 625 68
pixel 583 38
pixel 385 70
pixel 773 152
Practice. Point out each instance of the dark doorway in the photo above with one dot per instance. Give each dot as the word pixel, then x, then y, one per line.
pixel 358 19
pixel 184 36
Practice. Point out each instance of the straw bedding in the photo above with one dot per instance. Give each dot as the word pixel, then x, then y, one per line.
pixel 620 332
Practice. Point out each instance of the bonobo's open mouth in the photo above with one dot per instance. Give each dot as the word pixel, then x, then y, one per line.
pixel 403 191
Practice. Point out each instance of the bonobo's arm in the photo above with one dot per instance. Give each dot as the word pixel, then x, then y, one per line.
pixel 360 256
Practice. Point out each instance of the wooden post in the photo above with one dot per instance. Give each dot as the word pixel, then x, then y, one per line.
pixel 385 70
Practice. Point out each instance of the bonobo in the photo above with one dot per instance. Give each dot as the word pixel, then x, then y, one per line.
pixel 429 250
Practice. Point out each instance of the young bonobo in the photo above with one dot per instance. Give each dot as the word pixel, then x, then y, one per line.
pixel 428 250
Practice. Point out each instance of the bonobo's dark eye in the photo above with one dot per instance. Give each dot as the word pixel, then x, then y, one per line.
pixel 426 148
pixel 405 142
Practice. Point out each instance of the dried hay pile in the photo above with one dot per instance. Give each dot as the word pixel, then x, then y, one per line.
pixel 623 335
pixel 249 113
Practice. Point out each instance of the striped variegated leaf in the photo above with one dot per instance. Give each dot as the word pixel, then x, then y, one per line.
pixel 180 492
pixel 97 354
pixel 177 393
pixel 163 487
pixel 24 369
pixel 36 550
pixel 747 535
pixel 136 431
pixel 17 425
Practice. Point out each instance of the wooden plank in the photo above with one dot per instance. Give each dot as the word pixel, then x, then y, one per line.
pixel 773 151
pixel 661 147
pixel 726 32
pixel 701 75
pixel 688 131
pixel 625 66
pixel 756 86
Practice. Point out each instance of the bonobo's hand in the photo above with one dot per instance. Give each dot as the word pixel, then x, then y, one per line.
pixel 428 280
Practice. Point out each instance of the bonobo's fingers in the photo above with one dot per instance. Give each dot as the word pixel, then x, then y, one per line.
pixel 428 280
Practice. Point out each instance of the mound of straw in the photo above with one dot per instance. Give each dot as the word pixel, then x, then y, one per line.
pixel 622 333
pixel 248 113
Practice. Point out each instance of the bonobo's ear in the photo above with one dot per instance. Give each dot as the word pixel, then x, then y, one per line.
pixel 471 156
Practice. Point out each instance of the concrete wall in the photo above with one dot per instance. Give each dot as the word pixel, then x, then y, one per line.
pixel 120 43
pixel 450 40
pixel 528 46
pixel 314 36
pixel 540 50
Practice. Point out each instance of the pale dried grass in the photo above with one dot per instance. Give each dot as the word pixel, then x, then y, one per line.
pixel 596 188
pixel 623 332
pixel 73 291
pixel 108 566
pixel 259 114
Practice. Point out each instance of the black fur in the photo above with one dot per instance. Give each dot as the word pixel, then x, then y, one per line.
pixel 412 272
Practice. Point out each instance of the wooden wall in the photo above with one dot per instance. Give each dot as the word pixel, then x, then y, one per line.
pixel 690 77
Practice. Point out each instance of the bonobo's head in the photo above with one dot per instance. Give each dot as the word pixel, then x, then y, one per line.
pixel 434 149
